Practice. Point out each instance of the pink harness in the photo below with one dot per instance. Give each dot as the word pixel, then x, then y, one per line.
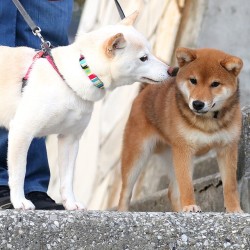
pixel 40 54
pixel 43 54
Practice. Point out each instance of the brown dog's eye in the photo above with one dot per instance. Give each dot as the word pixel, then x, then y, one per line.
pixel 215 84
pixel 193 81
pixel 144 58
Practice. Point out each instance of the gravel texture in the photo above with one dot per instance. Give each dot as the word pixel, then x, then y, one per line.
pixel 113 230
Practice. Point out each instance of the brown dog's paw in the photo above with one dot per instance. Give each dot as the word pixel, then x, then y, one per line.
pixel 191 209
pixel 234 210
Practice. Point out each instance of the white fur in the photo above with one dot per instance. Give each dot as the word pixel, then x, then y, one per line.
pixel 220 100
pixel 49 105
pixel 184 89
pixel 201 139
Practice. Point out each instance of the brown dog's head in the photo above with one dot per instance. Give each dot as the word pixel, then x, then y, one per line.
pixel 207 78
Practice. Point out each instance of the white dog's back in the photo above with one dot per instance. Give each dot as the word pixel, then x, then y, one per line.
pixel 14 63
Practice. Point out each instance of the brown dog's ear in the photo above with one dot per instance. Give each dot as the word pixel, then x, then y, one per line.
pixel 114 43
pixel 184 56
pixel 232 64
pixel 130 20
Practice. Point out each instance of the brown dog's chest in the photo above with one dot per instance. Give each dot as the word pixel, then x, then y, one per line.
pixel 201 142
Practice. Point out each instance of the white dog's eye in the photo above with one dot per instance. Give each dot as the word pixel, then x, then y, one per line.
pixel 144 58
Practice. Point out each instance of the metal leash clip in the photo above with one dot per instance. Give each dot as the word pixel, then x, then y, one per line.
pixel 45 45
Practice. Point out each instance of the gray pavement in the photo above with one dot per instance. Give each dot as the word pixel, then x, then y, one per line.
pixel 113 230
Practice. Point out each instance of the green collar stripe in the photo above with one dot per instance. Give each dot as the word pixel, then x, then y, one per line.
pixel 93 78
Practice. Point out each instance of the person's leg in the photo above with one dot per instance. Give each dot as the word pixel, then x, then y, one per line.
pixel 8 16
pixel 7 38
pixel 37 177
pixel 37 156
pixel 3 157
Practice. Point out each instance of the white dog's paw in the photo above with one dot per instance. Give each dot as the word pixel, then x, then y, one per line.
pixel 23 204
pixel 73 205
pixel 191 208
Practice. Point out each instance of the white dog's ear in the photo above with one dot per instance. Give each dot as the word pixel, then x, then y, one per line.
pixel 114 43
pixel 130 20
pixel 184 56
pixel 232 64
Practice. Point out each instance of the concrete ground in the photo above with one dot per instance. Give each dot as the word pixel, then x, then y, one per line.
pixel 112 230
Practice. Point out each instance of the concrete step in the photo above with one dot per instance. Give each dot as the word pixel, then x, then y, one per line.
pixel 208 193
pixel 203 166
pixel 36 230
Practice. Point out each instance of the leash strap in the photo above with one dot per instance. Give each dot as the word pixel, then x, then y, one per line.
pixel 119 8
pixel 34 28
pixel 26 16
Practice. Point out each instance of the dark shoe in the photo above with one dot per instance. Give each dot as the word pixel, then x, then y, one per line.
pixel 5 198
pixel 40 199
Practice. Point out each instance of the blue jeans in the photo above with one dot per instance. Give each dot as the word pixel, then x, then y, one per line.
pixel 53 17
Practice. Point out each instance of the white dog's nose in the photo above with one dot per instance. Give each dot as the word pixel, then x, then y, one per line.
pixel 172 71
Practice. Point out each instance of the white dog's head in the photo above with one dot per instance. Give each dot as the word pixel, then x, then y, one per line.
pixel 120 55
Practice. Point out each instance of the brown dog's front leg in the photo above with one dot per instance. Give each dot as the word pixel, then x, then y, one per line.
pixel 227 160
pixel 182 159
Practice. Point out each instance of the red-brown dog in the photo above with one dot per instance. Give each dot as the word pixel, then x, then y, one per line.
pixel 194 112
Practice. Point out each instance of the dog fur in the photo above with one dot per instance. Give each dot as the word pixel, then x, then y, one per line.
pixel 194 112
pixel 50 105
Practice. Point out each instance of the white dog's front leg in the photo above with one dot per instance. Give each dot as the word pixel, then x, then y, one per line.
pixel 18 146
pixel 67 153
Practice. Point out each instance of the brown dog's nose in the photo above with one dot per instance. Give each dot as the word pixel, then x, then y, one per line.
pixel 198 105
pixel 172 71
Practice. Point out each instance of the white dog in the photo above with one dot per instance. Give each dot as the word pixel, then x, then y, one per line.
pixel 61 102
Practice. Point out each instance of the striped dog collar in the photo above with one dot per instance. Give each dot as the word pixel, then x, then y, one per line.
pixel 92 77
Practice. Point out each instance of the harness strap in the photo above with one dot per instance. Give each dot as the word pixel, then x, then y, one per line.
pixel 40 54
pixel 25 78
pixel 216 113
pixel 52 62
